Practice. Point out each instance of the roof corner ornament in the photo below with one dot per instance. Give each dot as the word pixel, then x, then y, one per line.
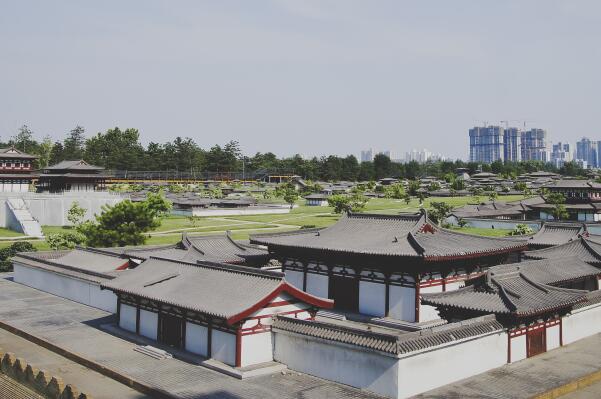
pixel 317 234
pixel 396 239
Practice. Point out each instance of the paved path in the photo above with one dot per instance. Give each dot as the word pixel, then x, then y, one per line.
pixel 75 327
pixel 86 380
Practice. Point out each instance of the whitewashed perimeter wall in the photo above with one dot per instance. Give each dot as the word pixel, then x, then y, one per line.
pixel 81 291
pixel 333 361
pixel 386 375
pixel 446 364
pixel 581 323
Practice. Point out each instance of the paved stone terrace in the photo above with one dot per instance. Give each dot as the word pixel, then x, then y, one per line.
pixel 74 327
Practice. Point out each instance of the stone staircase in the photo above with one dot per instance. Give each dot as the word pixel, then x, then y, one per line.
pixel 24 222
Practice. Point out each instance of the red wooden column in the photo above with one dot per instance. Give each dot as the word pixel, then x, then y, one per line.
pixel 239 346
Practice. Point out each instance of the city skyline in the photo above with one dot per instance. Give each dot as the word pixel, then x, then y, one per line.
pixel 339 73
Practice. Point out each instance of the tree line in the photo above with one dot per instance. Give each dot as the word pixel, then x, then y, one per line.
pixel 118 149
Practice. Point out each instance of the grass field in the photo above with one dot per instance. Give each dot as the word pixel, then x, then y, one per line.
pixel 303 216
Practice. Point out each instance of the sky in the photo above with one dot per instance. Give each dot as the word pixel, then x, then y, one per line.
pixel 312 77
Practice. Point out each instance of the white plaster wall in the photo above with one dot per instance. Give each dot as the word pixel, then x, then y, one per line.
pixel 256 348
pixel 197 211
pixel 317 285
pixel 454 285
pixel 362 369
pixel 197 339
pixel 103 299
pixel 149 322
pixel 372 298
pixel 127 318
pixel 581 323
pixel 295 278
pixel 429 370
pixel 552 337
pixel 76 290
pixel 223 347
pixel 402 303
pixel 518 348
pixel 427 312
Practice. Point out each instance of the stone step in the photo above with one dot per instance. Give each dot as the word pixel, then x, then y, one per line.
pixel 153 352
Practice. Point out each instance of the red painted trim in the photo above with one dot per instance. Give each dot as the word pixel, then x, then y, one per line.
pixel 281 303
pixel 417 300
pixel 269 316
pixel 289 289
pixel 239 348
pixel 123 266
pixel 508 348
pixel 475 254
pixel 560 332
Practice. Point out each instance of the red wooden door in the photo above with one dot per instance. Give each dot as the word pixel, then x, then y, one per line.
pixel 536 341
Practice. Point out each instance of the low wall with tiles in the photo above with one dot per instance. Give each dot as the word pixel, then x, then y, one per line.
pixel 40 381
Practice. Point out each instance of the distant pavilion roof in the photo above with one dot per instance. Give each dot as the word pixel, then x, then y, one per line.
pixel 556 234
pixel 586 250
pixel 507 290
pixel 226 291
pixel 13 153
pixel 78 165
pixel 404 235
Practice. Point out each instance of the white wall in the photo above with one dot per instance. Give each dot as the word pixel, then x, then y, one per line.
pixel 223 347
pixel 402 303
pixel 581 323
pixel 552 337
pixel 429 370
pixel 518 348
pixel 81 291
pixel 127 318
pixel 295 278
pixel 149 322
pixel 256 348
pixel 372 298
pixel 427 312
pixel 197 339
pixel 341 363
pixel 317 284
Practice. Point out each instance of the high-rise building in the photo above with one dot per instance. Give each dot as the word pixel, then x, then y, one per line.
pixel 586 151
pixel 486 144
pixel 561 154
pixel 534 145
pixel 512 144
pixel 367 155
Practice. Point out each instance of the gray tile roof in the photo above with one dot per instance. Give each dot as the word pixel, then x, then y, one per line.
pixel 556 234
pixel 552 271
pixel 572 183
pixel 215 248
pixel 93 267
pixel 406 235
pixel 74 165
pixel 392 343
pixel 506 291
pixel 584 249
pixel 12 152
pixel 210 288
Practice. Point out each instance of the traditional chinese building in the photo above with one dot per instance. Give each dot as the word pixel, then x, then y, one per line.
pixel 583 200
pixel 72 176
pixel 15 170
pixel 214 310
pixel 379 265
pixel 527 298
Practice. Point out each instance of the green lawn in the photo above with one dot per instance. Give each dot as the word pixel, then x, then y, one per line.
pixel 9 233
pixel 308 216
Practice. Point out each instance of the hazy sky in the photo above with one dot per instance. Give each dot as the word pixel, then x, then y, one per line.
pixel 310 77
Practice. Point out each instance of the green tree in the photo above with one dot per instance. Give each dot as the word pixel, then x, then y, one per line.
pixel 290 196
pixel 413 187
pixel 439 211
pixel 559 210
pixel 45 152
pixel 76 214
pixel 126 222
pixel 23 140
pixel 382 166
pixel 74 144
pixel 65 240
pixel 6 264
pixel 492 195
pixel 347 203
pixel 521 229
